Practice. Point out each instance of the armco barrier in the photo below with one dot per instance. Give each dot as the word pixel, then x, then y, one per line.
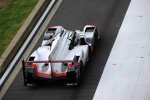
pixel 22 34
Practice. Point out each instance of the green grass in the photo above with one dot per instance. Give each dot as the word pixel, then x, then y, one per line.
pixel 12 15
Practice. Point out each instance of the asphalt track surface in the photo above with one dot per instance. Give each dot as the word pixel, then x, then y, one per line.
pixel 107 15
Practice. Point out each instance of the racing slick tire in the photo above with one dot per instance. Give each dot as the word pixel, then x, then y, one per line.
pixel 29 79
pixel 93 46
pixel 74 77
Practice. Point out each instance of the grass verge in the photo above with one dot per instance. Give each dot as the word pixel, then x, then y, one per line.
pixel 12 15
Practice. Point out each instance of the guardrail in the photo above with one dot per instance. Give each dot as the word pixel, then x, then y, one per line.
pixel 13 59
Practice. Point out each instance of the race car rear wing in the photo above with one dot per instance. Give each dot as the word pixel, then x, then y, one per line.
pixel 29 67
pixel 51 61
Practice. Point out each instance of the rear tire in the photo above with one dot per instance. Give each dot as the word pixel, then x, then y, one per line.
pixel 74 77
pixel 29 79
pixel 93 46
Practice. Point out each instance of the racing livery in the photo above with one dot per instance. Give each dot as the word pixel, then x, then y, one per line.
pixel 62 55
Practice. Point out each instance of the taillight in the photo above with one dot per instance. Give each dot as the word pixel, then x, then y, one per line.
pixel 70 64
pixel 34 66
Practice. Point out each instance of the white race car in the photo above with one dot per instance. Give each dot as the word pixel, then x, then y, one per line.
pixel 62 55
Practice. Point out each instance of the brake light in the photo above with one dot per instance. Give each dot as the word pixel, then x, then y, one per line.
pixel 34 66
pixel 70 64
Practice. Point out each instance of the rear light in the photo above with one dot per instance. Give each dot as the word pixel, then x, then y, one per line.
pixel 70 64
pixel 34 66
